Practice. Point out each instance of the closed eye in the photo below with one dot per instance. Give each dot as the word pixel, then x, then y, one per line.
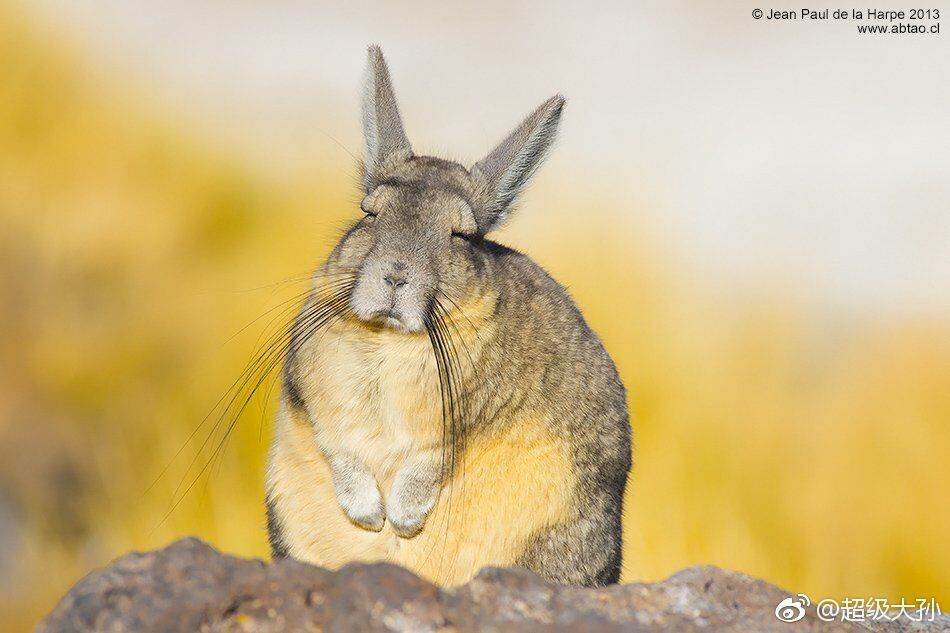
pixel 467 238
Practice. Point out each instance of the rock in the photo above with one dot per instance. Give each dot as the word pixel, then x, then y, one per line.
pixel 189 586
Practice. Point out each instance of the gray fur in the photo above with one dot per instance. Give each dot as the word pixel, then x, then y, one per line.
pixel 506 170
pixel 422 238
pixel 383 133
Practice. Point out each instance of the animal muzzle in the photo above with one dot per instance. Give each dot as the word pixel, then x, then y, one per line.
pixel 388 293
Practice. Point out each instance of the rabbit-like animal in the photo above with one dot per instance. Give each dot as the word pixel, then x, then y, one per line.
pixel 444 404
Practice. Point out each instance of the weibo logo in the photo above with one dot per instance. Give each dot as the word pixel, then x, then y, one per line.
pixel 792 609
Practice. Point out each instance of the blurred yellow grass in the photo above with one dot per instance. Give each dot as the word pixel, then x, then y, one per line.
pixel 767 439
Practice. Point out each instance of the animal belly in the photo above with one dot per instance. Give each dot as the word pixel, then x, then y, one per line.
pixel 507 487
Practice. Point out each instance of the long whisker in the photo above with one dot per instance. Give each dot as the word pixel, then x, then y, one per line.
pixel 326 317
pixel 268 353
pixel 294 279
pixel 459 399
pixel 332 287
pixel 290 303
pixel 466 403
pixel 450 400
pixel 216 405
pixel 445 324
pixel 288 340
pixel 222 442
pixel 447 317
pixel 262 376
pixel 284 308
pixel 454 402
pixel 447 423
pixel 265 362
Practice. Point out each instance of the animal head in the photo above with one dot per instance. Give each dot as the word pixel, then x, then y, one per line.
pixel 424 217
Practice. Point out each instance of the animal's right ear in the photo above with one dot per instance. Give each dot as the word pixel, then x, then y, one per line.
pixel 383 135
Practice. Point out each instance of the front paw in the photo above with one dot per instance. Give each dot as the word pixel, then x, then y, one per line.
pixel 407 509
pixel 408 520
pixel 363 506
pixel 357 492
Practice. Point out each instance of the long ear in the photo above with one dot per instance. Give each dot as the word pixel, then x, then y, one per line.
pixel 385 140
pixel 504 172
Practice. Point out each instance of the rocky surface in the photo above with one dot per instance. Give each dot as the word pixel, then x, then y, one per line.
pixel 189 586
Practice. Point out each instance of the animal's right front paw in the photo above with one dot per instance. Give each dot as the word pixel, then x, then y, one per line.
pixel 364 507
pixel 357 492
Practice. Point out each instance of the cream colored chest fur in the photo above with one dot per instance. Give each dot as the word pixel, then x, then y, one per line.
pixel 373 394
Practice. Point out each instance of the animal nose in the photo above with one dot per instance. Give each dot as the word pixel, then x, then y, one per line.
pixel 395 279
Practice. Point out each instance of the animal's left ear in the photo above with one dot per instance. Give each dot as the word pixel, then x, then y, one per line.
pixel 502 174
pixel 383 134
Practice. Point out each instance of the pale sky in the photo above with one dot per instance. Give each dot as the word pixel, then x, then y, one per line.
pixel 801 149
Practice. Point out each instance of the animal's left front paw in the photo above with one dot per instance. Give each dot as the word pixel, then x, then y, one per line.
pixel 411 499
